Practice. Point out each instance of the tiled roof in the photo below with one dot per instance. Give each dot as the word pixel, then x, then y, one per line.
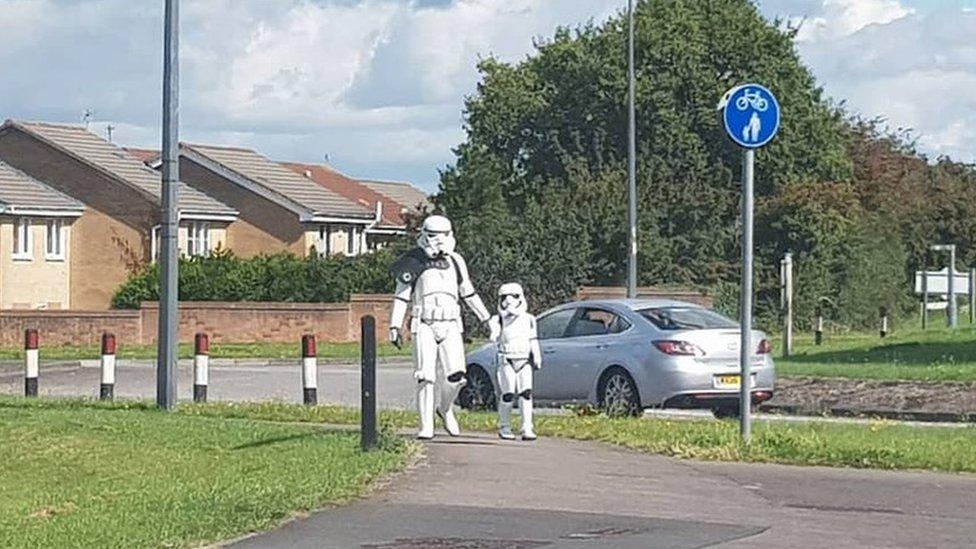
pixel 411 197
pixel 146 156
pixel 351 189
pixel 279 183
pixel 19 191
pixel 106 157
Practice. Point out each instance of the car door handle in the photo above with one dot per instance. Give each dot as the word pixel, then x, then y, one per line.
pixel 548 351
pixel 602 346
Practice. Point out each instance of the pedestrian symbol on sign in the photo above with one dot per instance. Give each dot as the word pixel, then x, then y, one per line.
pixel 751 115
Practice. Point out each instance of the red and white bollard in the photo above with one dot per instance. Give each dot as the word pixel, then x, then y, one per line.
pixel 201 365
pixel 309 370
pixel 107 389
pixel 30 362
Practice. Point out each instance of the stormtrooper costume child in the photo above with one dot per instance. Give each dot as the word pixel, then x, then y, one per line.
pixel 513 328
pixel 433 280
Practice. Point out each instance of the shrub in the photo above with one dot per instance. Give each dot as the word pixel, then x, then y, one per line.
pixel 279 277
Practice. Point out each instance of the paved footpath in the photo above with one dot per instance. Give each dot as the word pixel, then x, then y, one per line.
pixel 478 492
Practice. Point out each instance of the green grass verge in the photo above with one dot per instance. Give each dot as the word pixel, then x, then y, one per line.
pixel 80 474
pixel 936 354
pixel 227 350
pixel 882 445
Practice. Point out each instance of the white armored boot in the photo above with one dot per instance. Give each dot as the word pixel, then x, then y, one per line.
pixel 505 418
pixel 525 405
pixel 446 408
pixel 425 406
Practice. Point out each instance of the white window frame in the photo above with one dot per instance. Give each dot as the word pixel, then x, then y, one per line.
pixel 23 249
pixel 154 235
pixel 54 235
pixel 325 241
pixel 198 238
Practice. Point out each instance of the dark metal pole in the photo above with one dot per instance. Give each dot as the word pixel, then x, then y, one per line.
pixel 745 345
pixel 168 337
pixel 631 160
pixel 367 431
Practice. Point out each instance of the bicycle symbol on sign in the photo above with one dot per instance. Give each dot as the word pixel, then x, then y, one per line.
pixel 751 98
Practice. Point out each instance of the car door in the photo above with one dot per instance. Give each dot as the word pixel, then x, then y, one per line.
pixel 551 329
pixel 591 341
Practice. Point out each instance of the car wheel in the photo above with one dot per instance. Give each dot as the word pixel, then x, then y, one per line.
pixel 618 394
pixel 728 411
pixel 478 393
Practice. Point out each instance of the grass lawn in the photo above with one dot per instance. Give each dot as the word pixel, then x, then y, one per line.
pixel 82 474
pixel 936 354
pixel 228 350
pixel 882 445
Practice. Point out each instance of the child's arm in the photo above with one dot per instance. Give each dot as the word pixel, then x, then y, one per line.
pixel 495 328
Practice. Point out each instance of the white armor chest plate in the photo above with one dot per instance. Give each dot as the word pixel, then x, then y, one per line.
pixel 435 295
pixel 515 340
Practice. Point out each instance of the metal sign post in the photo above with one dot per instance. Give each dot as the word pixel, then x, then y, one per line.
pixel 786 302
pixel 751 116
pixel 953 316
pixel 631 162
pixel 166 353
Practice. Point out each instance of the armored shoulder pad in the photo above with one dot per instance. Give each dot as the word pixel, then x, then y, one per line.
pixel 409 266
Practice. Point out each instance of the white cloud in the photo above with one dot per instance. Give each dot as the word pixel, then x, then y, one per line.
pixel 912 66
pixel 379 84
pixel 375 83
pixel 844 17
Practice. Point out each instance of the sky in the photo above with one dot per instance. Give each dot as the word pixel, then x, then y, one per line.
pixel 376 87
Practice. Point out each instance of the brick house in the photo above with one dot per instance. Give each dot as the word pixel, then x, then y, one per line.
pixel 280 210
pixel 115 234
pixel 35 242
pixel 390 213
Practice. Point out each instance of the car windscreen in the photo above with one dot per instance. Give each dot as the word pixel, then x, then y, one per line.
pixel 686 318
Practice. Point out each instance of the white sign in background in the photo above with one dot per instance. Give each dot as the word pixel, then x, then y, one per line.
pixel 939 283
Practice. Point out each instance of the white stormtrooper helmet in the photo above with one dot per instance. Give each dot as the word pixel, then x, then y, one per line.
pixel 436 236
pixel 511 299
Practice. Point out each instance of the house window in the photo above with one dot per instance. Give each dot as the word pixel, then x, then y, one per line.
pixel 23 243
pixel 198 240
pixel 54 248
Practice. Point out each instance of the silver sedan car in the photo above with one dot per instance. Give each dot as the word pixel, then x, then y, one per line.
pixel 624 355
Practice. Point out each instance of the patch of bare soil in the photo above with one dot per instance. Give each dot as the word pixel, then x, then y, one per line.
pixel 819 395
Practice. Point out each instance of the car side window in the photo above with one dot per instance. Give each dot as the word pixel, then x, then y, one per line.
pixel 598 322
pixel 553 325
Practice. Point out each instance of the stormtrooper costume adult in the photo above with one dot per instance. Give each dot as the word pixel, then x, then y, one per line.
pixel 513 328
pixel 432 280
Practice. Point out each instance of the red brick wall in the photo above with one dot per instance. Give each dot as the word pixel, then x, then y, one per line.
pixel 236 322
pixel 653 292
pixel 69 327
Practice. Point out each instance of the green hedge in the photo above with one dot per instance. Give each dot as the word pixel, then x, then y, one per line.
pixel 280 277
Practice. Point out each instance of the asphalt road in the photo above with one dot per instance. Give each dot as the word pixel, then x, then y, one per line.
pixel 229 380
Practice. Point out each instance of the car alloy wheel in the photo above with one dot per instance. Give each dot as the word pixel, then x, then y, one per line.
pixel 620 395
pixel 478 393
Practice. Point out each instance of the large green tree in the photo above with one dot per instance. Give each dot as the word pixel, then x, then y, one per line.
pixel 539 187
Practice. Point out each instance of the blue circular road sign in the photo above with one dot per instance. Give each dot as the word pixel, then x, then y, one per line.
pixel 751 115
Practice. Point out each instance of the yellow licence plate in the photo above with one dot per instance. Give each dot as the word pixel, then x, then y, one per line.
pixel 727 382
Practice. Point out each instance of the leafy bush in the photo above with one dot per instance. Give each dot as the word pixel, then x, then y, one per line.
pixel 279 277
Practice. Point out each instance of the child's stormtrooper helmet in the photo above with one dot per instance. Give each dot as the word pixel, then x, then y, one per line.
pixel 511 299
